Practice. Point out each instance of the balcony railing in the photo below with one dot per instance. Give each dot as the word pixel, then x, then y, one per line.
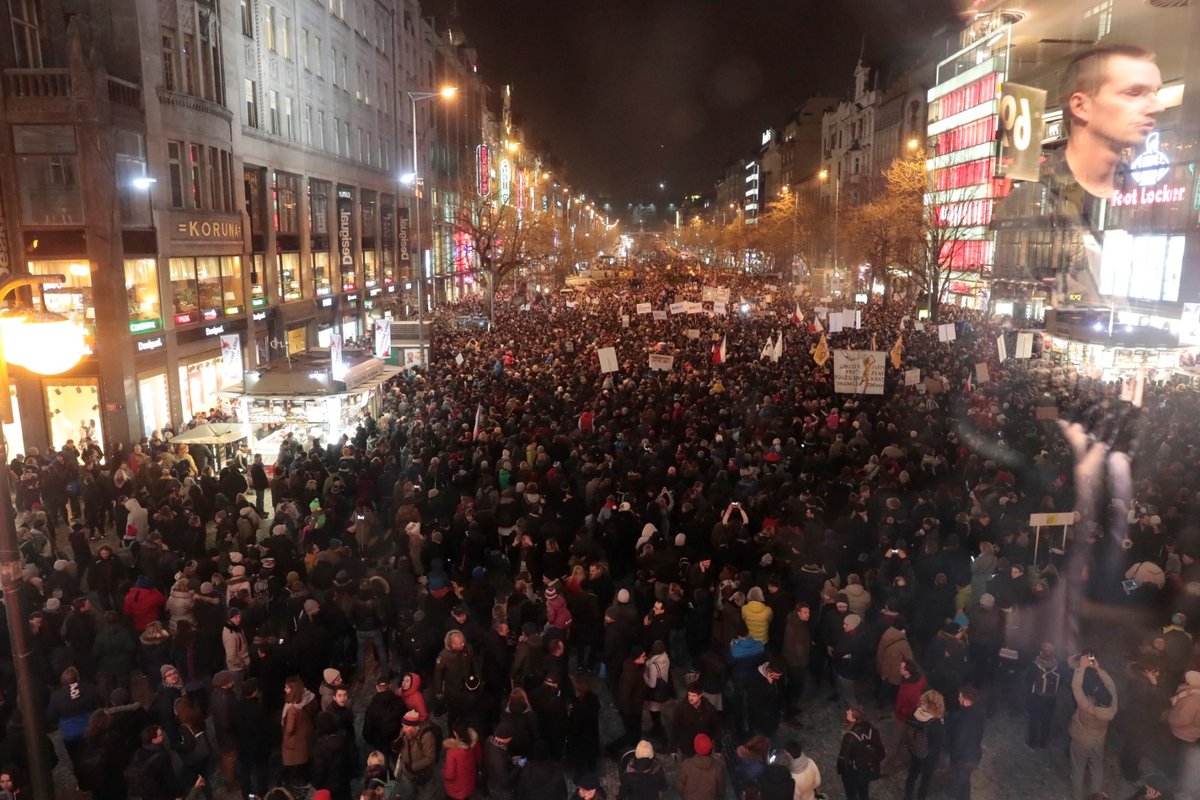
pixel 37 84
pixel 55 84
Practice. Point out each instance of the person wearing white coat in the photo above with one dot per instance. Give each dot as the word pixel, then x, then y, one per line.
pixel 805 773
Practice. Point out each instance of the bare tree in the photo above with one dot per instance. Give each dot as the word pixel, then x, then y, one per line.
pixel 911 245
pixel 502 239
pixel 783 229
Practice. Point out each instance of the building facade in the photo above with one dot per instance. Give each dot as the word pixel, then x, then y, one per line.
pixel 237 174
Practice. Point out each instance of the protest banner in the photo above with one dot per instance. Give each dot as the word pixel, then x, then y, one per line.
pixel 981 373
pixel 719 308
pixel 643 308
pixel 912 377
pixel 946 332
pixel 1001 348
pixel 608 359
pixel 660 316
pixel 859 371
pixel 662 363
pixel 693 333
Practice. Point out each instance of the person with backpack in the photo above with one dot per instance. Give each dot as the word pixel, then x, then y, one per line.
pixel 861 754
pixel 150 775
pixel 1043 679
pixel 71 708
pixel 417 751
pixel 926 745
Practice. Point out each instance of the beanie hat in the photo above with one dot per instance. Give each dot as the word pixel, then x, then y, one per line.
pixel 61 565
pixel 235 557
pixel 702 744
pixel 238 572
pixel 551 592
pixel 311 606
pixel 53 605
pixel 206 587
pixel 589 782
pixel 623 596
pixel 165 669
pixel 412 718
pixel 234 611
pixel 331 675
pixel 852 621
pixel 755 594
pixel 842 597
pixel 504 730
pixel 644 750
pixel 987 600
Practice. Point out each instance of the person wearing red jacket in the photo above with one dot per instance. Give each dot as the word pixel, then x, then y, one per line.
pixel 462 760
pixel 908 698
pixel 143 604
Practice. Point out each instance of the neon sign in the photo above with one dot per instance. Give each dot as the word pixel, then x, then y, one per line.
pixel 1152 165
pixel 1149 196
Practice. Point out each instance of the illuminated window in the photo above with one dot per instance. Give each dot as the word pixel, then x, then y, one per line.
pixel 321 277
pixel 233 294
pixel 141 290
pixel 290 287
pixel 72 298
pixel 184 298
pixel 1102 14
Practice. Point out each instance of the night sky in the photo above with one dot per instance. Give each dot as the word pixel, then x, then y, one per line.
pixel 631 93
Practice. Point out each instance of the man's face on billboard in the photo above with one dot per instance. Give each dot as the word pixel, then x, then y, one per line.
pixel 1125 108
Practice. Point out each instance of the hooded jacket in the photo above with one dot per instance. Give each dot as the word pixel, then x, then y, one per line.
pixel 413 699
pixel 461 767
pixel 701 778
pixel 806 776
pixel 298 731
pixel 757 615
pixel 139 518
pixel 858 598
pixel 893 649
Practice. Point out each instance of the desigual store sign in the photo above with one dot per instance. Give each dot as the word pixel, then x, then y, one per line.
pixel 206 229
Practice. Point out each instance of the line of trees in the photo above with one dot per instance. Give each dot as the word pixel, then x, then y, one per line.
pixel 909 246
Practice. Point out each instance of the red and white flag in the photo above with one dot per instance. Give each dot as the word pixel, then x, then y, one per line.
pixel 718 352
pixel 816 327
pixel 797 317
pixel 478 420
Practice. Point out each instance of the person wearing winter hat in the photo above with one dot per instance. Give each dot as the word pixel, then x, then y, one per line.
pixel 237 647
pixel 853 659
pixel 642 775
pixel 757 615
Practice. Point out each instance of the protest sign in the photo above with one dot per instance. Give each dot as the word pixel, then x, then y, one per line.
pixel 1001 348
pixel 912 377
pixel 946 332
pixel 608 359
pixel 859 371
pixel 981 373
pixel 643 308
pixel 693 333
pixel 662 363
pixel 660 316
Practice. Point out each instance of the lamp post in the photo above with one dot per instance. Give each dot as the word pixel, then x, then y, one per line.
pixel 837 204
pixel 45 343
pixel 413 97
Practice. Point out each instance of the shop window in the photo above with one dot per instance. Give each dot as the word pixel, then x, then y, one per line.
pixel 231 285
pixel 297 340
pixel 14 434
pixel 73 407
pixel 184 296
pixel 26 24
pixel 321 278
pixel 141 290
pixel 48 175
pixel 289 277
pixel 152 395
pixel 208 284
pixel 318 207
pixel 168 59
pixel 255 201
pixel 370 269
pixel 199 384
pixel 73 298
pixel 175 172
pixel 133 198
pixel 287 202
pixel 195 153
pixel 258 295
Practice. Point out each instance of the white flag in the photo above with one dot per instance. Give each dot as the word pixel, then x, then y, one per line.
pixel 777 352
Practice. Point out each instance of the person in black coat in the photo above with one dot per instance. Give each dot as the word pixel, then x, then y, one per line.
pixel 925 747
pixel 499 767
pixel 541 777
pixel 583 728
pixel 253 744
pixel 552 715
pixel 693 717
pixel 965 742
pixel 382 717
pixel 330 763
pixel 764 699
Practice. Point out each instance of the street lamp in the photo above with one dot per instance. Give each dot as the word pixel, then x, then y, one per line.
pixel 823 176
pixel 445 93
pixel 44 343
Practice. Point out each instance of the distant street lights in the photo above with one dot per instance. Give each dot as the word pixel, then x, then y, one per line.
pixel 445 93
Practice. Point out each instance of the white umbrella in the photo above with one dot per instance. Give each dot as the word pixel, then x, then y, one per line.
pixel 211 433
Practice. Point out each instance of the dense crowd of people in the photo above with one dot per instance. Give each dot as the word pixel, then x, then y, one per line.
pixel 448 601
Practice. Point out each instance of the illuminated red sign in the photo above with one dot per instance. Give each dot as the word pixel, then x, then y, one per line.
pixel 483 170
